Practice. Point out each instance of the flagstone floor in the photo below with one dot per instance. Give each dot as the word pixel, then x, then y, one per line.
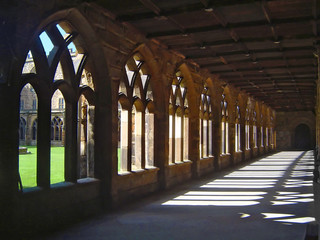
pixel 270 198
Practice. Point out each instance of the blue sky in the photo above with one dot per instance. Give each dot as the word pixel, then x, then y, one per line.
pixel 48 45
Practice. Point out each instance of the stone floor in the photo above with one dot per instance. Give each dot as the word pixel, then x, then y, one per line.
pixel 270 198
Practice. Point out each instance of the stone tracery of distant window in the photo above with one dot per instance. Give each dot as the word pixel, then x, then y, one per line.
pixel 56 129
pixel 237 130
pixel 206 125
pixel 224 126
pixel 254 129
pixel 247 129
pixel 22 129
pixel 178 120
pixel 261 131
pixel 135 117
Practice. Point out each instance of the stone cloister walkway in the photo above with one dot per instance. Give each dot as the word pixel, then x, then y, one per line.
pixel 270 198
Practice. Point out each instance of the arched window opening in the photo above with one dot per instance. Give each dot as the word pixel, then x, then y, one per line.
pixel 136 108
pixel 58 111
pixel 205 128
pixel 136 147
pixel 186 134
pixel 123 139
pixel 59 73
pixel 46 42
pixel 224 126
pixel 171 134
pixel 210 136
pixel 237 130
pixel 58 134
pixel 178 121
pixel 28 133
pixel 149 137
pixel 58 54
pixel 255 134
pixel 302 137
pixel 29 66
pixel 261 131
pixel 85 138
pixel 28 111
pixel 178 136
pixel 247 129
pixel 57 151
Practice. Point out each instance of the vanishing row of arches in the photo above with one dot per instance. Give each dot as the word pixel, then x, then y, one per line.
pixel 56 129
pixel 60 63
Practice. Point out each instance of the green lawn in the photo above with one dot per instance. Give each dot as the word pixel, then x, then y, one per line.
pixel 28 166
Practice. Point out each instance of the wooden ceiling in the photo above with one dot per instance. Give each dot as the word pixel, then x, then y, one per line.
pixel 266 48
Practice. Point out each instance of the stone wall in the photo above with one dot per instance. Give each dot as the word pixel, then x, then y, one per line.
pixel 286 124
pixel 110 44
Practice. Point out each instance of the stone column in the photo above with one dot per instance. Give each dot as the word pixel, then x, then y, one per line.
pixel 217 141
pixel 9 135
pixel 231 136
pixel 194 141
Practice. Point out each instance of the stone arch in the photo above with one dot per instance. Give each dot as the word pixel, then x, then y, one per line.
pixel 306 125
pixel 257 110
pixel 86 41
pixel 216 97
pixel 191 91
pixel 302 137
pixel 230 98
pixel 154 67
pixel 243 101
pixel 264 114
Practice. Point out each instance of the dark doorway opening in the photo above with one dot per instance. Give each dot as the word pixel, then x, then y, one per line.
pixel 302 137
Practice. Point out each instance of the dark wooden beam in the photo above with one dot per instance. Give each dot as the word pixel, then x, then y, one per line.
pixel 266 13
pixel 233 26
pixel 230 42
pixel 193 7
pixel 261 59
pixel 266 69
pixel 152 6
pixel 289 49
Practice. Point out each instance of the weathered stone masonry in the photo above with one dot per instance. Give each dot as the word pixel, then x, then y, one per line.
pixel 110 44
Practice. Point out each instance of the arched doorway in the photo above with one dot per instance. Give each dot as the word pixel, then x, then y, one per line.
pixel 302 137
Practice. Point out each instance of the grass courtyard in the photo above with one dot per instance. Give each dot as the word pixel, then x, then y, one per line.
pixel 28 166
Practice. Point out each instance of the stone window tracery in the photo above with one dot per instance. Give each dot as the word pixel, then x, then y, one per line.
pixel 255 134
pixel 205 125
pixel 237 130
pixel 178 120
pixel 224 126
pixel 22 129
pixel 56 129
pixel 135 117
pixel 54 66
pixel 247 129
pixel 261 131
